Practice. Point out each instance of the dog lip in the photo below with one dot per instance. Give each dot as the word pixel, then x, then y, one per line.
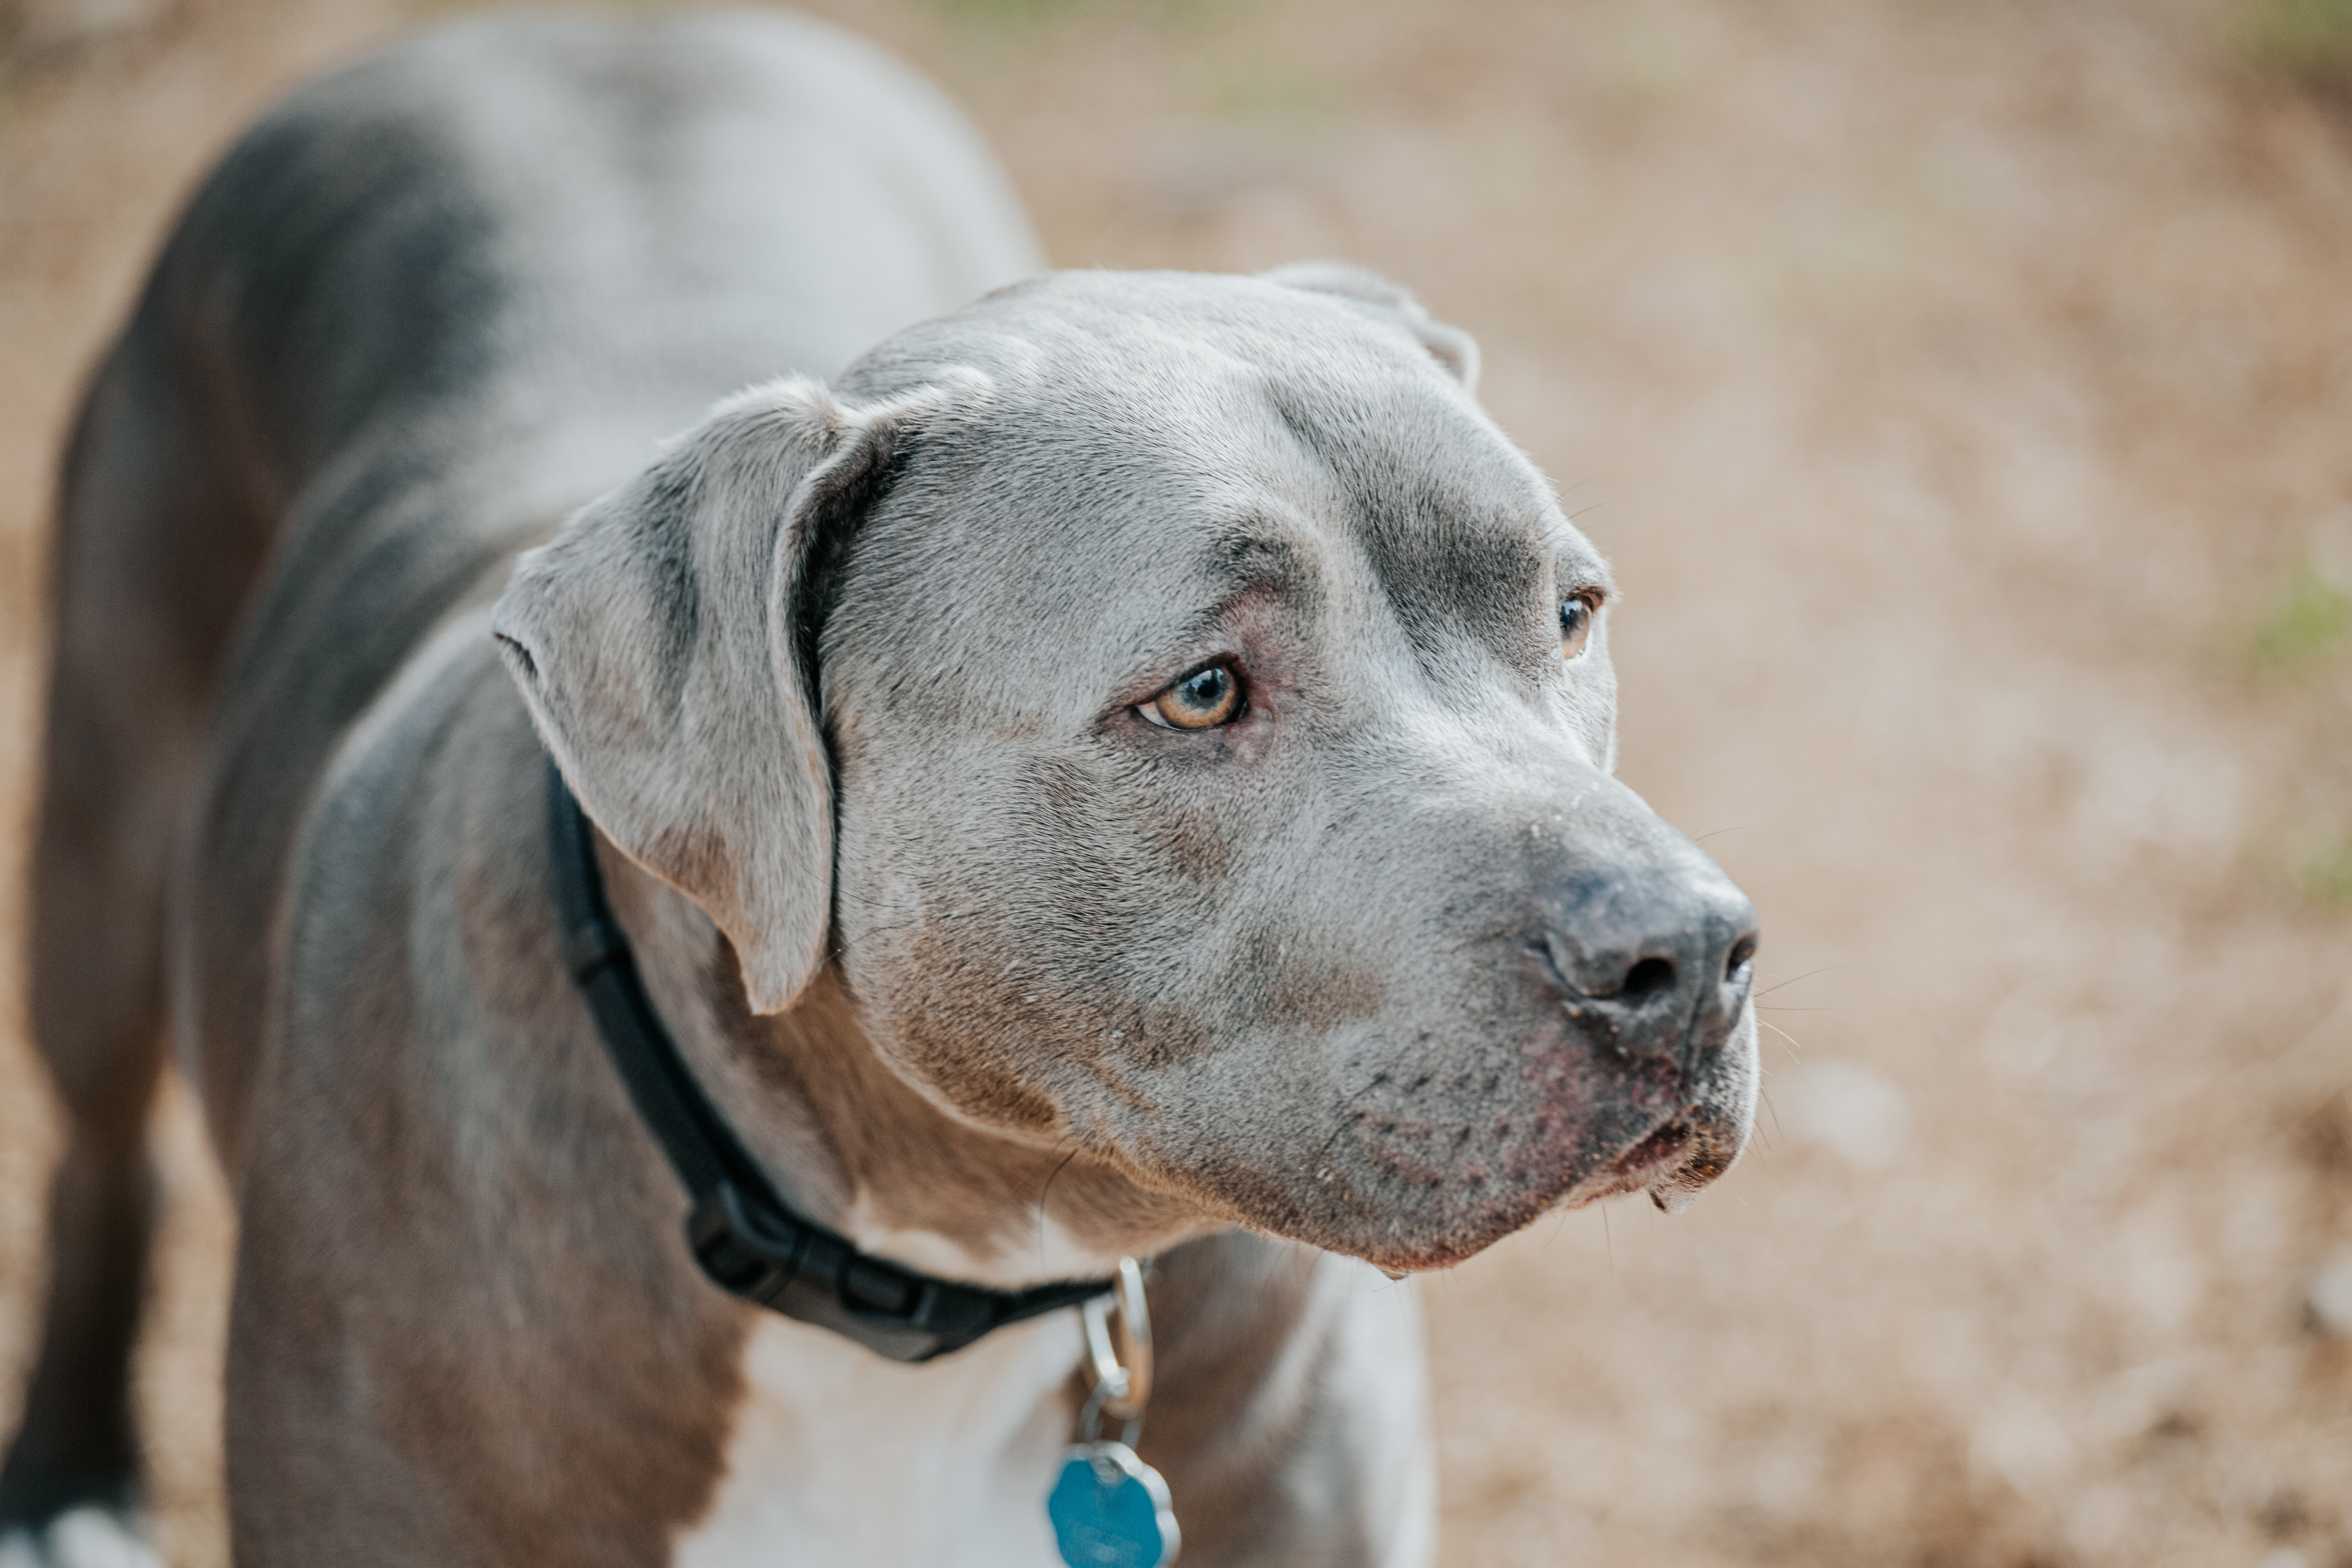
pixel 1654 1159
pixel 1656 1154
pixel 1651 1160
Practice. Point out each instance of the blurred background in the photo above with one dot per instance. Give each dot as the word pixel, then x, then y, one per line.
pixel 1964 393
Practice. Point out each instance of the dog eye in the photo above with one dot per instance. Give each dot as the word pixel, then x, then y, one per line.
pixel 1575 624
pixel 1201 701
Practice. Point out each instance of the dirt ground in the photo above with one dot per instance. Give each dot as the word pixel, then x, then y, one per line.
pixel 1965 397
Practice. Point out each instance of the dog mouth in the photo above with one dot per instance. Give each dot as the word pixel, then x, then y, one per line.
pixel 1470 1177
pixel 1672 1163
pixel 1431 1163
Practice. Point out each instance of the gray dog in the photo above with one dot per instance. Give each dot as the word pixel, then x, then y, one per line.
pixel 1120 769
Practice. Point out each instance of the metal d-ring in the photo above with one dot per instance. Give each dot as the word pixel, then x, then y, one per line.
pixel 1121 1356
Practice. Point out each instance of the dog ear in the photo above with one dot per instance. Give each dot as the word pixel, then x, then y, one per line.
pixel 1455 349
pixel 659 641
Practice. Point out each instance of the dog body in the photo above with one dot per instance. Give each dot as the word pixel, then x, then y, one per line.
pixel 1003 973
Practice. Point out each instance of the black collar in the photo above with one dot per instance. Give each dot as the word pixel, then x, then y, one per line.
pixel 742 1233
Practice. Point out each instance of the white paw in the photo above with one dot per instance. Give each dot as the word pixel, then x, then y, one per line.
pixel 85 1538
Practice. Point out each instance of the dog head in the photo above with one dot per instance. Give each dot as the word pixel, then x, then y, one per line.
pixel 1186 720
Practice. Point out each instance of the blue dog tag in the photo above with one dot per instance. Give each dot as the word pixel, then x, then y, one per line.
pixel 1110 1510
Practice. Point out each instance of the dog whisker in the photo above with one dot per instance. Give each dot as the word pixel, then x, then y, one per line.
pixel 1047 1190
pixel 1808 975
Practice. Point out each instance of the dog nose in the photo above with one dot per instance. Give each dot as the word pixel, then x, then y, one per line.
pixel 1653 956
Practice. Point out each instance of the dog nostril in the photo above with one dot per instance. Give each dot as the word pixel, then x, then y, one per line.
pixel 1645 980
pixel 1743 951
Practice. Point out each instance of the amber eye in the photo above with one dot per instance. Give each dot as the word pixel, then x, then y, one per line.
pixel 1575 625
pixel 1201 701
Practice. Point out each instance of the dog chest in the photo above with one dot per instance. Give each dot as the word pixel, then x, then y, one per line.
pixel 839 1458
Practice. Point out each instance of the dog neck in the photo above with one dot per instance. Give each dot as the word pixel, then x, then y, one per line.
pixel 853 1146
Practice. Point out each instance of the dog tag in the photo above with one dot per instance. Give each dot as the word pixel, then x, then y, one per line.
pixel 1110 1510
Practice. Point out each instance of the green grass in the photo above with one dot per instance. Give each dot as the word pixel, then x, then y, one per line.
pixel 2307 38
pixel 2306 622
pixel 2323 873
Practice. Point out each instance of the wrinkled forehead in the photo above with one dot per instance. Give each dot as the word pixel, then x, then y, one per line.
pixel 1129 478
